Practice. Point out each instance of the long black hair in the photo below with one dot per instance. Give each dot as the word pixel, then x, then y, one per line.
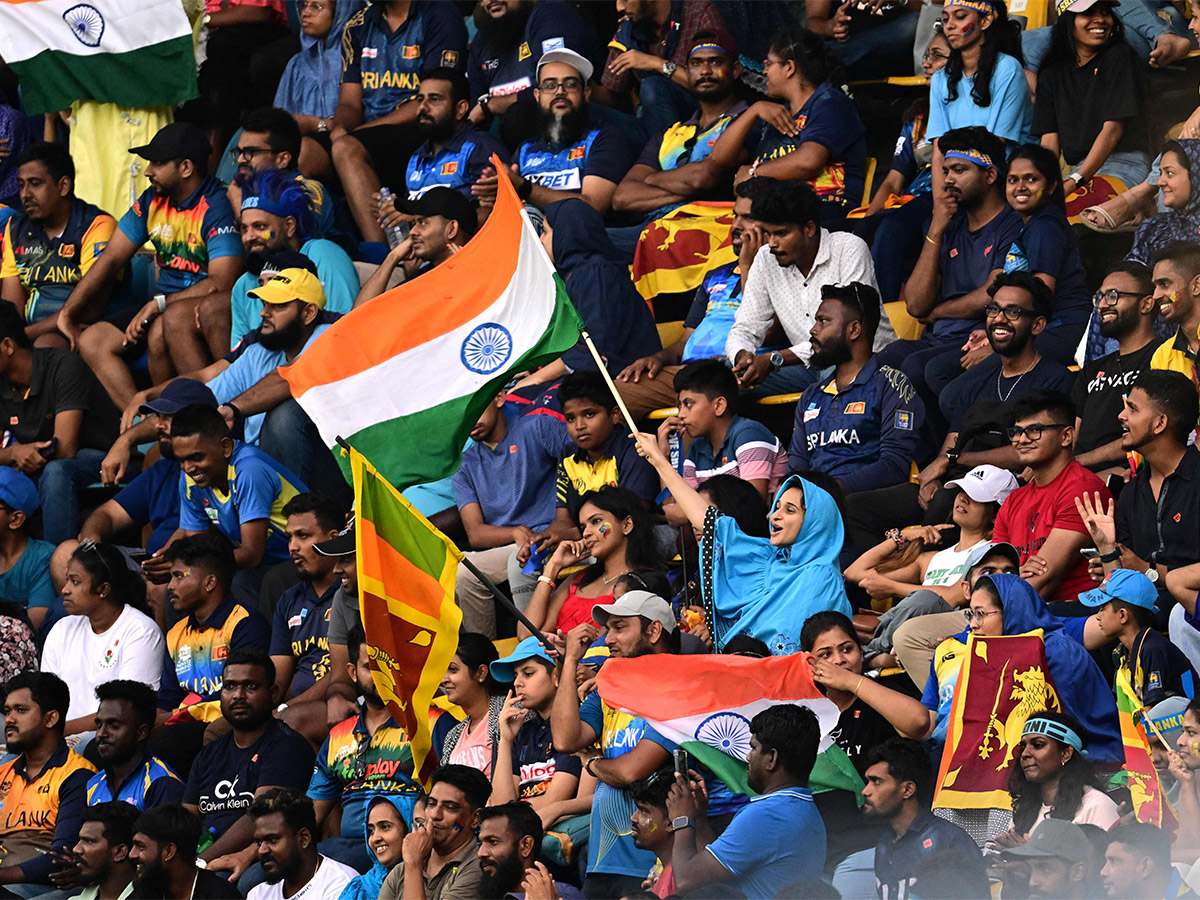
pixel 737 498
pixel 1002 36
pixel 641 548
pixel 1047 165
pixel 475 650
pixel 1062 39
pixel 1077 774
pixel 105 564
pixel 808 51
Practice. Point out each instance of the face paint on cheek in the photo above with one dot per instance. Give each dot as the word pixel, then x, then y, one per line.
pixel 653 827
pixel 268 234
pixel 968 29
pixel 605 528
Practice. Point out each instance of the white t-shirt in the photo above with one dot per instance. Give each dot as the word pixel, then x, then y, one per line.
pixel 133 648
pixel 946 567
pixel 327 884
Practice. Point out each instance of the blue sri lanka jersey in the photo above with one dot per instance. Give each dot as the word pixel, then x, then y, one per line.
pixel 723 286
pixel 458 164
pixel 560 169
pixel 151 784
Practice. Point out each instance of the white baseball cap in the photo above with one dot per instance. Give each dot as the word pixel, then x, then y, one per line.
pixel 571 58
pixel 986 484
pixel 636 603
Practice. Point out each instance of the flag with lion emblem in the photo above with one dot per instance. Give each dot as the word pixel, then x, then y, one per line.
pixel 1150 803
pixel 1004 681
pixel 674 253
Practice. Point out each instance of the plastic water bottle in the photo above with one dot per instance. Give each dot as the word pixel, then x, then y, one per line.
pixel 675 445
pixel 395 233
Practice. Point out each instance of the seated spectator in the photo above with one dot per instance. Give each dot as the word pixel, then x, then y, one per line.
pixel 1177 295
pixel 186 216
pixel 758 587
pixel 443 220
pixel 61 421
pixel 1137 863
pixel 1167 716
pixel 165 839
pixel 618 534
pixel 1156 30
pixel 649 383
pixel 964 250
pixel 863 426
pixel 869 43
pixel 20 643
pixel 1125 603
pixel 1181 219
pixel 899 789
pixel 510 842
pixel 102 863
pixel 506 498
pixel 597 280
pixel 1089 96
pixel 37 271
pixel 257 754
pixel 444 863
pixel 868 715
pixel 784 283
pixel 469 684
pixel 131 773
pixel 508 37
pixel 371 134
pixel 676 165
pixel 1126 312
pixel 286 834
pixel 363 758
pixel 807 129
pixel 652 829
pixel 890 570
pixel 1040 518
pixel 1183 761
pixel 341 692
pixel 387 827
pixel 45 783
pixel 1058 859
pixel 1053 779
pixel 572 155
pixel 776 839
pixel 106 633
pixel 26 581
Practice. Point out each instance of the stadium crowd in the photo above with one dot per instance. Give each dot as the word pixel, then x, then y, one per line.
pixel 928 388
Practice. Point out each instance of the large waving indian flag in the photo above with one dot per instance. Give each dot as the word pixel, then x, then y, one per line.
pixel 405 376
pixel 705 704
pixel 129 52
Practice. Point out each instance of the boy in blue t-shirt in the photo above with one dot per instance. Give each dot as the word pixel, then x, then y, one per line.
pixel 27 581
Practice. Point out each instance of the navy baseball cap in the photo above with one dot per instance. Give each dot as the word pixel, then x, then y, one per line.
pixel 1125 585
pixel 18 491
pixel 530 648
pixel 180 393
pixel 341 544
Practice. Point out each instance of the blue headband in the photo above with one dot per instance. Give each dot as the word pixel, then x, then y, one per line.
pixel 1051 729
pixel 976 157
pixel 267 205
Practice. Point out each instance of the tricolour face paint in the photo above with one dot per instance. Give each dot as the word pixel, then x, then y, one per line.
pixel 605 528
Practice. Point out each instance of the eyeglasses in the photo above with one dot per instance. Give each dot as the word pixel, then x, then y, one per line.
pixel 1111 296
pixel 933 55
pixel 313 5
pixel 248 152
pixel 1012 313
pixel 570 85
pixel 978 615
pixel 1033 432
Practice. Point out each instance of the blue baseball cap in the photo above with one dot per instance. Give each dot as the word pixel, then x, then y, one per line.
pixel 1125 585
pixel 180 393
pixel 530 648
pixel 18 491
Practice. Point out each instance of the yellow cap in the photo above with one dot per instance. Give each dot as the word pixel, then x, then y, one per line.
pixel 291 285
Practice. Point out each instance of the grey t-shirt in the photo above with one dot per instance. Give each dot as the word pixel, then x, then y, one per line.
pixel 343 616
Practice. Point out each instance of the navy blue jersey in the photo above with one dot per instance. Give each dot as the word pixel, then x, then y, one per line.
pixel 301 631
pixel 600 152
pixel 458 164
pixel 151 784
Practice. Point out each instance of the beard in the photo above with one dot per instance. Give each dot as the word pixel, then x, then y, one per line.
pixel 284 868
pixel 506 878
pixel 563 129
pixel 289 335
pixel 153 881
pixel 832 353
pixel 1121 325
pixel 505 31
pixel 437 132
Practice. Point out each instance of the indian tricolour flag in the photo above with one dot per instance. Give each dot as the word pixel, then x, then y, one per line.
pixel 130 52
pixel 705 704
pixel 404 377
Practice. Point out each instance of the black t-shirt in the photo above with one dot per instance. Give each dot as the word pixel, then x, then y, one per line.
pixel 61 382
pixel 1075 101
pixel 978 404
pixel 225 776
pixel 1165 529
pixel 1099 396
pixel 1161 670
pixel 535 760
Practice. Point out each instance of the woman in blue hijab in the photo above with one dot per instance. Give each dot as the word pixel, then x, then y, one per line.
pixel 764 587
pixel 389 819
pixel 313 77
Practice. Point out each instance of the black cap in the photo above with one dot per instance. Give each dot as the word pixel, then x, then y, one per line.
pixel 179 140
pixel 277 262
pixel 342 545
pixel 445 202
pixel 180 393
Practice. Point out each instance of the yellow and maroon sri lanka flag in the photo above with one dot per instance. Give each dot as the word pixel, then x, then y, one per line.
pixel 406 571
pixel 674 253
pixel 1150 803
pixel 1003 682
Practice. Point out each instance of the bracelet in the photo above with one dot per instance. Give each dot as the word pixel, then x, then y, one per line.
pixel 753 168
pixel 1111 557
pixel 1077 177
pixel 894 534
pixel 587 766
pixel 857 686
pixel 932 241
pixel 160 300
pixel 546 579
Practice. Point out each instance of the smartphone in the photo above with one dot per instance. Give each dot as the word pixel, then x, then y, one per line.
pixel 681 763
pixel 1090 552
pixel 137 557
pixel 48 452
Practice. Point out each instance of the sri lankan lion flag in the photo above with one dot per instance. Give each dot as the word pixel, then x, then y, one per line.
pixel 675 252
pixel 406 571
pixel 1004 681
pixel 1150 804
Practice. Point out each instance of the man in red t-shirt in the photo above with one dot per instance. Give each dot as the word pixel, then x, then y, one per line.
pixel 1040 518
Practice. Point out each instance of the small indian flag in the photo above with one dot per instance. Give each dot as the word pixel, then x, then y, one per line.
pixel 129 52
pixel 705 705
pixel 405 376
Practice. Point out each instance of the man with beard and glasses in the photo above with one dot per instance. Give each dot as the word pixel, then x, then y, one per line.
pixel 510 841
pixel 186 216
pixel 285 833
pixel 43 785
pixel 164 856
pixel 455 152
pixel 572 155
pixel 131 773
pixel 1126 309
pixel 102 852
pixel 510 36
pixel 259 753
pixel 863 426
pixel 363 757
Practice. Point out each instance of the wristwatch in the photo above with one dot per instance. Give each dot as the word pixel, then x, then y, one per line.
pixel 776 359
pixel 682 822
pixel 322 125
pixel 669 68
pixel 952 455
pixel 1113 556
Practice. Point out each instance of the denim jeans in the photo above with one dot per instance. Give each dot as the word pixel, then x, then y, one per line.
pixel 59 484
pixel 663 103
pixel 289 437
